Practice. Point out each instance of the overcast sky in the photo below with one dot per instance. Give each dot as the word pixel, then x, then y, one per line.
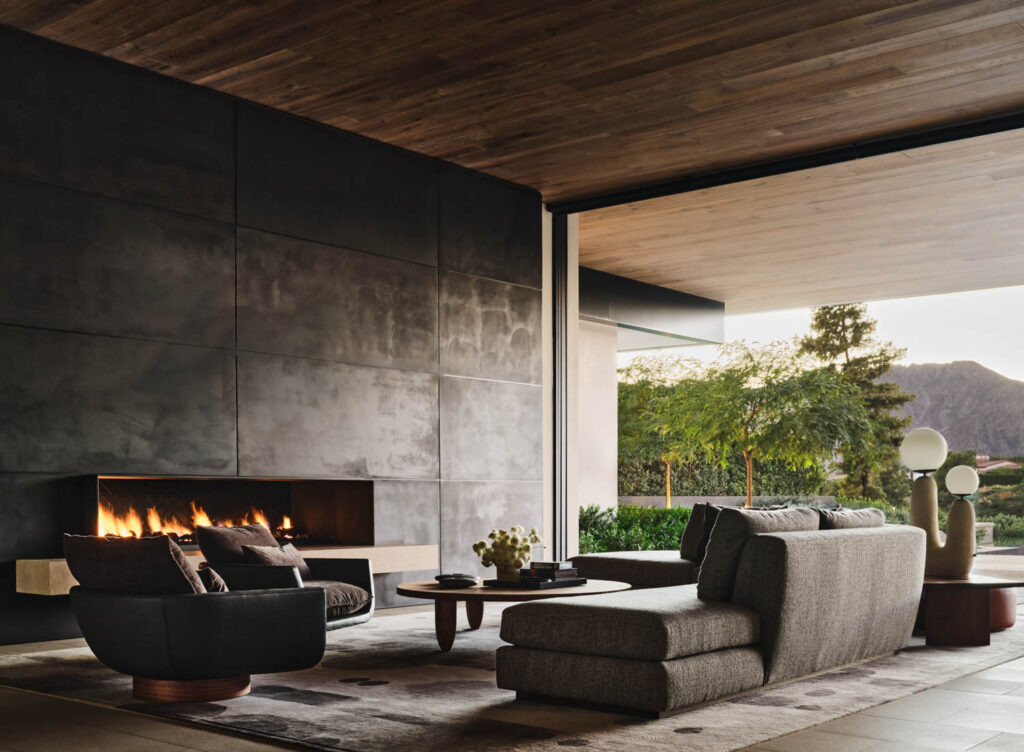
pixel 986 326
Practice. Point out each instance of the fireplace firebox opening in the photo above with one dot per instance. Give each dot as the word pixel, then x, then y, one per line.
pixel 305 512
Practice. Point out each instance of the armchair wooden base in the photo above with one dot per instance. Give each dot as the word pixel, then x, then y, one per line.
pixel 190 690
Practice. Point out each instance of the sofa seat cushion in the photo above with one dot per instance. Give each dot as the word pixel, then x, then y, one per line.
pixel 658 624
pixel 638 568
pixel 342 599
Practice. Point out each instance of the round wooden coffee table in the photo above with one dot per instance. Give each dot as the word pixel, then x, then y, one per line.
pixel 445 600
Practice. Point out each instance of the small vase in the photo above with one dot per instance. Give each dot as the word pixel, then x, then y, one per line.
pixel 508 574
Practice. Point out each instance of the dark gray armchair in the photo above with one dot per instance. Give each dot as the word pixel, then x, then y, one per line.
pixel 326 573
pixel 199 647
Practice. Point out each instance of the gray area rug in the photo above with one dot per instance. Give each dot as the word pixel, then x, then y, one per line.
pixel 385 686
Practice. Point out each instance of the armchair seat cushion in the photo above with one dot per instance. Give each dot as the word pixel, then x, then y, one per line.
pixel 639 568
pixel 658 625
pixel 342 599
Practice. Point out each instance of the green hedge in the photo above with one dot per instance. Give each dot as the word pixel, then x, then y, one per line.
pixel 1009 529
pixel 1005 477
pixel 630 528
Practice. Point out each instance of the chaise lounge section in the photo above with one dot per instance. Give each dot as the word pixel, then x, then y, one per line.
pixel 792 603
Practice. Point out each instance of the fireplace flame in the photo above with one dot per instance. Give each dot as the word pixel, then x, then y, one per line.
pixel 130 523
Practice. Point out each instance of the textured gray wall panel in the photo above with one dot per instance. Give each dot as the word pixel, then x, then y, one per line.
pixel 386 597
pixel 490 430
pixel 86 403
pixel 314 418
pixel 301 298
pixel 406 511
pixel 489 227
pixel 310 181
pixel 84 122
pixel 490 329
pixel 471 510
pixel 81 262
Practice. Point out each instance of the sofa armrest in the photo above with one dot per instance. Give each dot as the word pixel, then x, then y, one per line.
pixel 831 597
pixel 257 576
pixel 353 571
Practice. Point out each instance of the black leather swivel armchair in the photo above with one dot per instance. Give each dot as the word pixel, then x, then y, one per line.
pixel 249 577
pixel 202 647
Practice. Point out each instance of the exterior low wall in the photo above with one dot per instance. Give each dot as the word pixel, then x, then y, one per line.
pixel 725 501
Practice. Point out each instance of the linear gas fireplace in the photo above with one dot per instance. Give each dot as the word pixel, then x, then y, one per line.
pixel 305 512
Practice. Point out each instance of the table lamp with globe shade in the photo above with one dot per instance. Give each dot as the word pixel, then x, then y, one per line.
pixel 923 451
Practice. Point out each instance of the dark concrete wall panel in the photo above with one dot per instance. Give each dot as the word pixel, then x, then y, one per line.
pixel 81 403
pixel 318 419
pixel 36 510
pixel 78 261
pixel 302 179
pixel 471 510
pixel 406 511
pixel 489 228
pixel 297 297
pixel 490 329
pixel 84 122
pixel 490 430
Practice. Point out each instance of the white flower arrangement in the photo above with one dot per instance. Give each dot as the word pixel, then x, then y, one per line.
pixel 508 549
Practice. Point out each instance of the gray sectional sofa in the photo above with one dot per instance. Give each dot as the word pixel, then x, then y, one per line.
pixel 769 605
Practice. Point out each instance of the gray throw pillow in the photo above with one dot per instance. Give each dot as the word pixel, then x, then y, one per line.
pixel 212 581
pixel 223 545
pixel 842 519
pixel 689 542
pixel 710 517
pixel 277 556
pixel 732 529
pixel 145 566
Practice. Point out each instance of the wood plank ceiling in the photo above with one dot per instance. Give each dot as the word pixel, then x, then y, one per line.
pixel 577 98
pixel 937 219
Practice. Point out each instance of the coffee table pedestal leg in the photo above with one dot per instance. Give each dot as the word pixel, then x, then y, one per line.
pixel 475 613
pixel 957 616
pixel 444 623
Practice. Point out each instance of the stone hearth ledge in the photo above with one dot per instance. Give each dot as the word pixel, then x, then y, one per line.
pixel 52 576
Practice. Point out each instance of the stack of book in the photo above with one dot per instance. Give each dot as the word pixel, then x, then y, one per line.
pixel 549 570
pixel 541 575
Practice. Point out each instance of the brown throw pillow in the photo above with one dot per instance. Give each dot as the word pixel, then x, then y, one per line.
pixel 145 566
pixel 734 526
pixel 212 581
pixel 342 599
pixel 277 556
pixel 689 542
pixel 843 519
pixel 223 545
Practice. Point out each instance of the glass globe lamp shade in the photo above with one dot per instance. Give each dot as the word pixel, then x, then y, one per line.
pixel 962 480
pixel 923 450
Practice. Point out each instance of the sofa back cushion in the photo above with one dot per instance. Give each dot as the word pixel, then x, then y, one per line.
pixel 732 529
pixel 223 545
pixel 690 540
pixel 831 597
pixel 277 556
pixel 844 519
pixel 142 566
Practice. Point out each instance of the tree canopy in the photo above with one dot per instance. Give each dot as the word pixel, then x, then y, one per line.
pixel 766 402
pixel 843 339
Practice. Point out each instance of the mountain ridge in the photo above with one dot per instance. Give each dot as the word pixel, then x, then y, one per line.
pixel 972 406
